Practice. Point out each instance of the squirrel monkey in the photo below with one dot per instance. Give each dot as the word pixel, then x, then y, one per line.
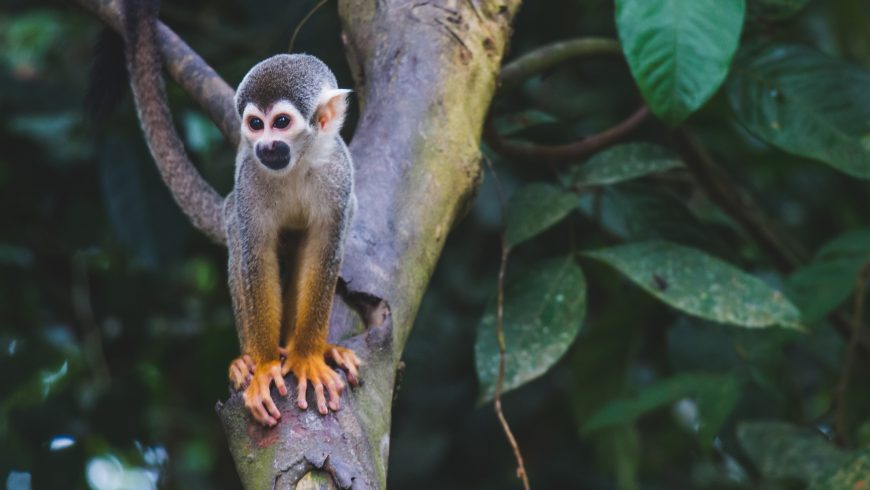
pixel 293 200
pixel 285 222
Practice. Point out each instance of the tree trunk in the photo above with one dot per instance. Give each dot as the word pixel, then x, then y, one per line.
pixel 425 73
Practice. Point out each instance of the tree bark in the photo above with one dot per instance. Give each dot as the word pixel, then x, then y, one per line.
pixel 425 73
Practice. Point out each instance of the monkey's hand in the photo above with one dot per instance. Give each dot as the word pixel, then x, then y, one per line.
pixel 257 397
pixel 313 368
pixel 241 371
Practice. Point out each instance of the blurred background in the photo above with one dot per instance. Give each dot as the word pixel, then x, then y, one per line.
pixel 115 319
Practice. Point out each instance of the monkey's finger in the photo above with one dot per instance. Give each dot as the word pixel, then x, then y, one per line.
pixel 321 400
pixel 354 360
pixel 283 351
pixel 334 389
pixel 267 399
pixel 352 374
pixel 236 376
pixel 279 381
pixel 248 362
pixel 335 379
pixel 255 406
pixel 337 357
pixel 301 388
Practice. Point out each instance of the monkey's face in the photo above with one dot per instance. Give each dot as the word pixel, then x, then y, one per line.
pixel 277 134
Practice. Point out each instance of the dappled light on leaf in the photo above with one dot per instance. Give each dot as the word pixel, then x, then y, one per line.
pixel 701 285
pixel 545 306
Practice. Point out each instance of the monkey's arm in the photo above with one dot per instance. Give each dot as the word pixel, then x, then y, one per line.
pixel 256 293
pixel 320 256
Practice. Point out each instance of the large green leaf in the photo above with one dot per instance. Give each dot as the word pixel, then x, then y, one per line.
pixel 623 162
pixel 825 283
pixel 701 285
pixel 543 310
pixel 534 208
pixel 805 103
pixel 854 475
pixel 679 51
pixel 783 451
pixel 713 395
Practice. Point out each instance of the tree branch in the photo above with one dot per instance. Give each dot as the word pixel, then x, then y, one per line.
pixel 186 67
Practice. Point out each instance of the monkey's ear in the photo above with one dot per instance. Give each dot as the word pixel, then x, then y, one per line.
pixel 331 110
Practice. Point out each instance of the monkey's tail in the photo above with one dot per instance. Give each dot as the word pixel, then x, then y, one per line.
pixel 199 201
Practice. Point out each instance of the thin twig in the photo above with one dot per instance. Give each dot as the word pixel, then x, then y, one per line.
pixel 567 153
pixel 513 73
pixel 854 342
pixel 302 22
pixel 502 347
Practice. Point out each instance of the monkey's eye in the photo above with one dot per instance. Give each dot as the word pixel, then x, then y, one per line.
pixel 255 123
pixel 281 121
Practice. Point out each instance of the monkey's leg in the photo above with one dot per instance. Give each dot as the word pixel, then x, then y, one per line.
pixel 308 349
pixel 256 293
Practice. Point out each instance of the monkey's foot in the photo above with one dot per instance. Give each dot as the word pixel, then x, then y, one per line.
pixel 241 371
pixel 313 368
pixel 257 398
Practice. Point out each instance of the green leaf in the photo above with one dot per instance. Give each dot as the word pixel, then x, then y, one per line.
pixel 853 244
pixel 854 475
pixel 636 211
pixel 534 208
pixel 623 162
pixel 543 310
pixel 713 395
pixel 700 285
pixel 679 51
pixel 805 103
pixel 782 451
pixel 825 283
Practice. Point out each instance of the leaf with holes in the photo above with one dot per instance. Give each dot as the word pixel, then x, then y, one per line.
pixel 679 51
pixel 700 285
pixel 805 103
pixel 544 307
pixel 534 208
pixel 623 162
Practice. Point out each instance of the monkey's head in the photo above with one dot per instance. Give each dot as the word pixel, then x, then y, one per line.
pixel 290 105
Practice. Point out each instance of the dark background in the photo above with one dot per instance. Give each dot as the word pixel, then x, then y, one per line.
pixel 115 320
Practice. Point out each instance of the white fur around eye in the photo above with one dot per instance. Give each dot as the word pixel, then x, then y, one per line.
pixel 249 114
pixel 297 122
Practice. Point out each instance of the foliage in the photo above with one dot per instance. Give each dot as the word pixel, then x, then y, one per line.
pixel 630 285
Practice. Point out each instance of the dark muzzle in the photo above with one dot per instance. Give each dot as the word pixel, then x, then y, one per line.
pixel 275 155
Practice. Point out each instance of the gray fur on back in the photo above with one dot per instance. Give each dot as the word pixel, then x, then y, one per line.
pixel 298 78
